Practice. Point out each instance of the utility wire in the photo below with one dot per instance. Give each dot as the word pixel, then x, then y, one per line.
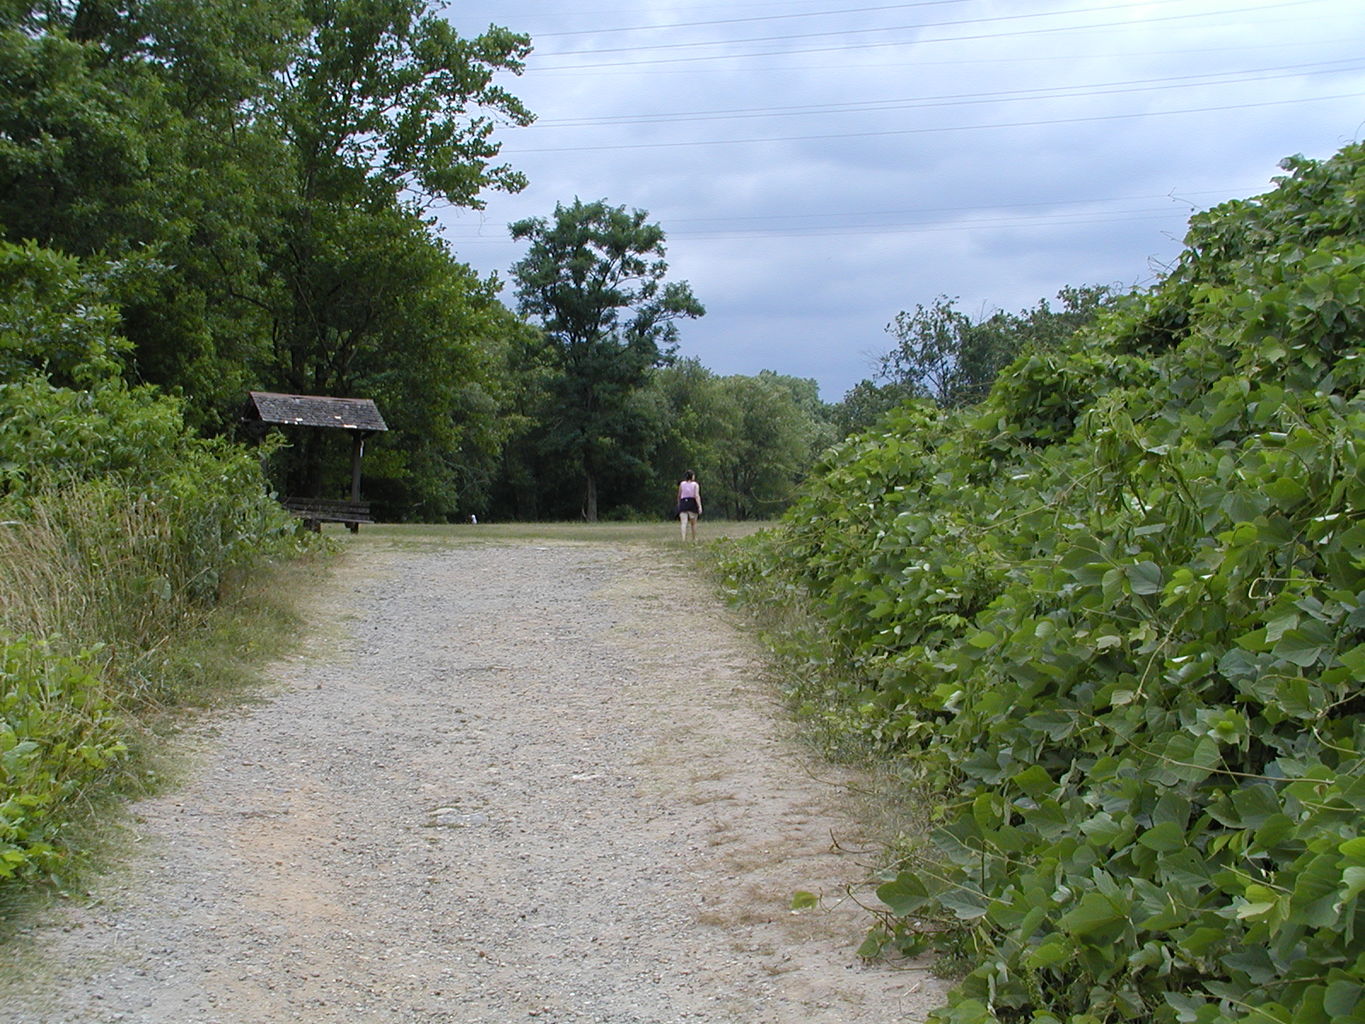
pixel 740 21
pixel 958 99
pixel 1105 9
pixel 912 228
pixel 919 211
pixel 853 230
pixel 897 221
pixel 875 45
pixel 1312 45
pixel 1042 123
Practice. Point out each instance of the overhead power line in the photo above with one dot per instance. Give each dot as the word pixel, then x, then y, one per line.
pixel 840 12
pixel 920 62
pixel 842 32
pixel 866 44
pixel 1042 123
pixel 923 219
pixel 958 99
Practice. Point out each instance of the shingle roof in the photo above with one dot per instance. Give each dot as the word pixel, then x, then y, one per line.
pixel 315 411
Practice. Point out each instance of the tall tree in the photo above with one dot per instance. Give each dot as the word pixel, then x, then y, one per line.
pixel 593 280
pixel 134 131
pixel 385 101
pixel 779 429
pixel 385 111
pixel 257 175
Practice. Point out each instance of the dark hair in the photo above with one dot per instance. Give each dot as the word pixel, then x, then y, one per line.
pixel 689 475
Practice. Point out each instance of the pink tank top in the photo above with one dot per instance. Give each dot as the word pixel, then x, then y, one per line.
pixel 687 489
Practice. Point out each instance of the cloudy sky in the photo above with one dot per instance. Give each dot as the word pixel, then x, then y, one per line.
pixel 820 165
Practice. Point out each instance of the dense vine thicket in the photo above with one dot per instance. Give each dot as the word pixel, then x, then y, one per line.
pixel 1115 613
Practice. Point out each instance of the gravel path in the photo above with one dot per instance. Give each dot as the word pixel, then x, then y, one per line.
pixel 507 782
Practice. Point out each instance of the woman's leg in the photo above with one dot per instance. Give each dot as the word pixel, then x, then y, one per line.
pixel 682 524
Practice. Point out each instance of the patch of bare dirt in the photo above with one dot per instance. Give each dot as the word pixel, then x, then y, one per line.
pixel 532 781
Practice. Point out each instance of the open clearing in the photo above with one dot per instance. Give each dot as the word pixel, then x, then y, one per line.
pixel 509 777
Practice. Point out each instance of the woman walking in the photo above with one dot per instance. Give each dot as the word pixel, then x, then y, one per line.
pixel 689 505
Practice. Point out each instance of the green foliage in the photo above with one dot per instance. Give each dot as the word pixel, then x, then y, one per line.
pixel 387 98
pixel 594 281
pixel 58 734
pixel 1115 614
pixel 773 431
pixel 117 527
pixel 53 324
pixel 943 354
pixel 385 112
pixel 262 173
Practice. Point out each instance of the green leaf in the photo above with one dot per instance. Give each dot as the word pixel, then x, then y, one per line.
pixel 1314 899
pixel 966 904
pixel 1094 914
pixel 1034 781
pixel 1343 999
pixel 1354 659
pixel 873 944
pixel 1286 493
pixel 1053 950
pixel 904 895
pixel 1163 838
pixel 1144 577
pixel 1300 648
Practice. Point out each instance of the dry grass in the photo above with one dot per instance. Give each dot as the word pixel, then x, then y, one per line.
pixel 68 571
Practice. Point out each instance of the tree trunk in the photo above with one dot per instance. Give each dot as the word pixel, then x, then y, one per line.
pixel 590 497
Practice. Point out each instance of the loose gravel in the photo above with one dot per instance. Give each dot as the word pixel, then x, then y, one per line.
pixel 504 782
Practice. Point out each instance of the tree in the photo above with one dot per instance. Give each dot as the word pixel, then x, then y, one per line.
pixel 779 427
pixel 385 111
pixel 695 425
pixel 944 355
pixel 593 281
pixel 135 131
pixel 254 176
pixel 385 101
pixel 928 345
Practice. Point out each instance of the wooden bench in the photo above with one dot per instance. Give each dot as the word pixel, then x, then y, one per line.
pixel 316 511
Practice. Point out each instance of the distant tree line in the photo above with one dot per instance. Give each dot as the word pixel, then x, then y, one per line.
pixel 252 183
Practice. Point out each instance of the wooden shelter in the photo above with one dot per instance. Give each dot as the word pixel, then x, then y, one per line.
pixel 358 416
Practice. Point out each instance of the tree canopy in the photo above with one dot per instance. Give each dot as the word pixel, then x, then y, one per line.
pixel 593 280
pixel 260 176
pixel 941 353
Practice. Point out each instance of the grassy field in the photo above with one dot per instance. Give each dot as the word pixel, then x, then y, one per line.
pixel 664 532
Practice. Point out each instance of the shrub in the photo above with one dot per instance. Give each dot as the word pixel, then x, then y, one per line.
pixel 118 528
pixel 1116 614
pixel 58 734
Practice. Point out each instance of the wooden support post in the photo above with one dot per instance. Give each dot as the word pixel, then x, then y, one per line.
pixel 357 452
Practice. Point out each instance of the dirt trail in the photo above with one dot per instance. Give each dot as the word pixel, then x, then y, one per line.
pixel 523 781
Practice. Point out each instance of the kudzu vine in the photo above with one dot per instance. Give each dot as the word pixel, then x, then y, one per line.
pixel 1115 616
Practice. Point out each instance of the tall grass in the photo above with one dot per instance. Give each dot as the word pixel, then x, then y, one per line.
pixel 108 602
pixel 91 567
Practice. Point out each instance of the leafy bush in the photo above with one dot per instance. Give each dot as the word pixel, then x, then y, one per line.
pixel 1116 614
pixel 117 530
pixel 58 733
